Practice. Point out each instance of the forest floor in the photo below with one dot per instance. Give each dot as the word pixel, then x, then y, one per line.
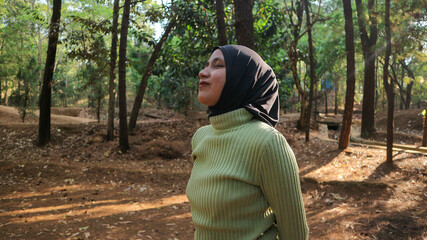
pixel 82 187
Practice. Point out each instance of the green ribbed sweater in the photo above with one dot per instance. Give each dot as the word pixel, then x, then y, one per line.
pixel 244 183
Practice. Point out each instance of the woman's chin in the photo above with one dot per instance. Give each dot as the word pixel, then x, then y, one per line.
pixel 203 100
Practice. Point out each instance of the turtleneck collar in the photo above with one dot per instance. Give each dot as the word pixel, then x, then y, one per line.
pixel 231 119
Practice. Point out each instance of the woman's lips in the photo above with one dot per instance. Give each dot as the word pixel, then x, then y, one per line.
pixel 203 83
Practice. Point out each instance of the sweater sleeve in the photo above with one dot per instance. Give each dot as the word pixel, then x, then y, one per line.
pixel 279 181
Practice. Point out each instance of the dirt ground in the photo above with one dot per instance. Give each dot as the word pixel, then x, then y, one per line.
pixel 82 187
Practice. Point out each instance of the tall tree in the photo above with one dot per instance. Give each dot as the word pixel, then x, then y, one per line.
pixel 220 19
pixel 296 9
pixel 113 59
pixel 312 69
pixel 351 77
pixel 39 44
pixel 405 94
pixel 369 42
pixel 123 128
pixel 45 99
pixel 424 113
pixel 143 84
pixel 388 85
pixel 244 23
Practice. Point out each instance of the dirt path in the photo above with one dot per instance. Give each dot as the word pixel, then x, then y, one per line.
pixel 11 116
pixel 82 187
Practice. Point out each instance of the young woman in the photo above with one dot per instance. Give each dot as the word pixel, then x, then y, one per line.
pixel 244 183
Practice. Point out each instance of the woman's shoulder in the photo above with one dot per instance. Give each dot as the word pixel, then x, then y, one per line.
pixel 261 132
pixel 201 132
pixel 262 128
pixel 204 130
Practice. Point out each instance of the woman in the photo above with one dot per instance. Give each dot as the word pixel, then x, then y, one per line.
pixel 244 183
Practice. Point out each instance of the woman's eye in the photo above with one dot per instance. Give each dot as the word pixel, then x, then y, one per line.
pixel 218 66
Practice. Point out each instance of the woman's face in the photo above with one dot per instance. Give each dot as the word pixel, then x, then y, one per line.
pixel 212 79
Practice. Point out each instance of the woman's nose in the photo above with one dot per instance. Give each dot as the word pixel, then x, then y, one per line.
pixel 203 74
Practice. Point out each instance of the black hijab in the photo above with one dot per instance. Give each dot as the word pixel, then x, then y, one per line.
pixel 250 83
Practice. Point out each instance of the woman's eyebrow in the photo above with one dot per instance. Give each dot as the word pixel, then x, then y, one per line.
pixel 214 60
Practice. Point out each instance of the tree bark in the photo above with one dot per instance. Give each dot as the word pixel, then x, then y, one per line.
pixel 410 85
pixel 388 85
pixel 408 95
pixel 244 23
pixel 123 128
pixel 336 86
pixel 220 18
pixel 143 84
pixel 351 77
pixel 312 73
pixel 293 56
pixel 5 92
pixel 112 85
pixel 39 46
pixel 404 102
pixel 326 100
pixel 46 93
pixel 424 144
pixel 368 46
pixel 297 9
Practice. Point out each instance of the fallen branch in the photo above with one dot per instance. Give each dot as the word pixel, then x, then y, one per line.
pixel 155 117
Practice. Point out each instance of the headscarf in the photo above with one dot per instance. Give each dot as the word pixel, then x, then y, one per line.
pixel 250 84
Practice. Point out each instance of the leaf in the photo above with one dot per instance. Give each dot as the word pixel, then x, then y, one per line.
pixel 407 80
pixel 83 228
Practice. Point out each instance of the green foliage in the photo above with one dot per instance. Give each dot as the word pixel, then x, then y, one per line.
pixel 87 42
pixel 25 95
pixel 18 52
pixel 82 65
pixel 174 79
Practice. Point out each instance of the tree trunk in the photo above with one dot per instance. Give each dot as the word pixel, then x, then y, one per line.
pixel 25 103
pixel 315 104
pixel 111 83
pixel 410 85
pixel 297 9
pixel 46 93
pixel 351 77
pixel 368 46
pixel 143 84
pixel 388 85
pixel 5 92
pixel 424 144
pixel 39 47
pixel 408 95
pixel 326 101
pixel 368 109
pixel 293 56
pixel 405 103
pixel 39 53
pixel 402 95
pixel 244 23
pixel 376 84
pixel 99 102
pixel 336 97
pixel 312 73
pixel 123 129
pixel 1 90
pixel 220 18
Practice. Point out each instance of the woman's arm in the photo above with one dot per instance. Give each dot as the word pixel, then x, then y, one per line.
pixel 281 187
